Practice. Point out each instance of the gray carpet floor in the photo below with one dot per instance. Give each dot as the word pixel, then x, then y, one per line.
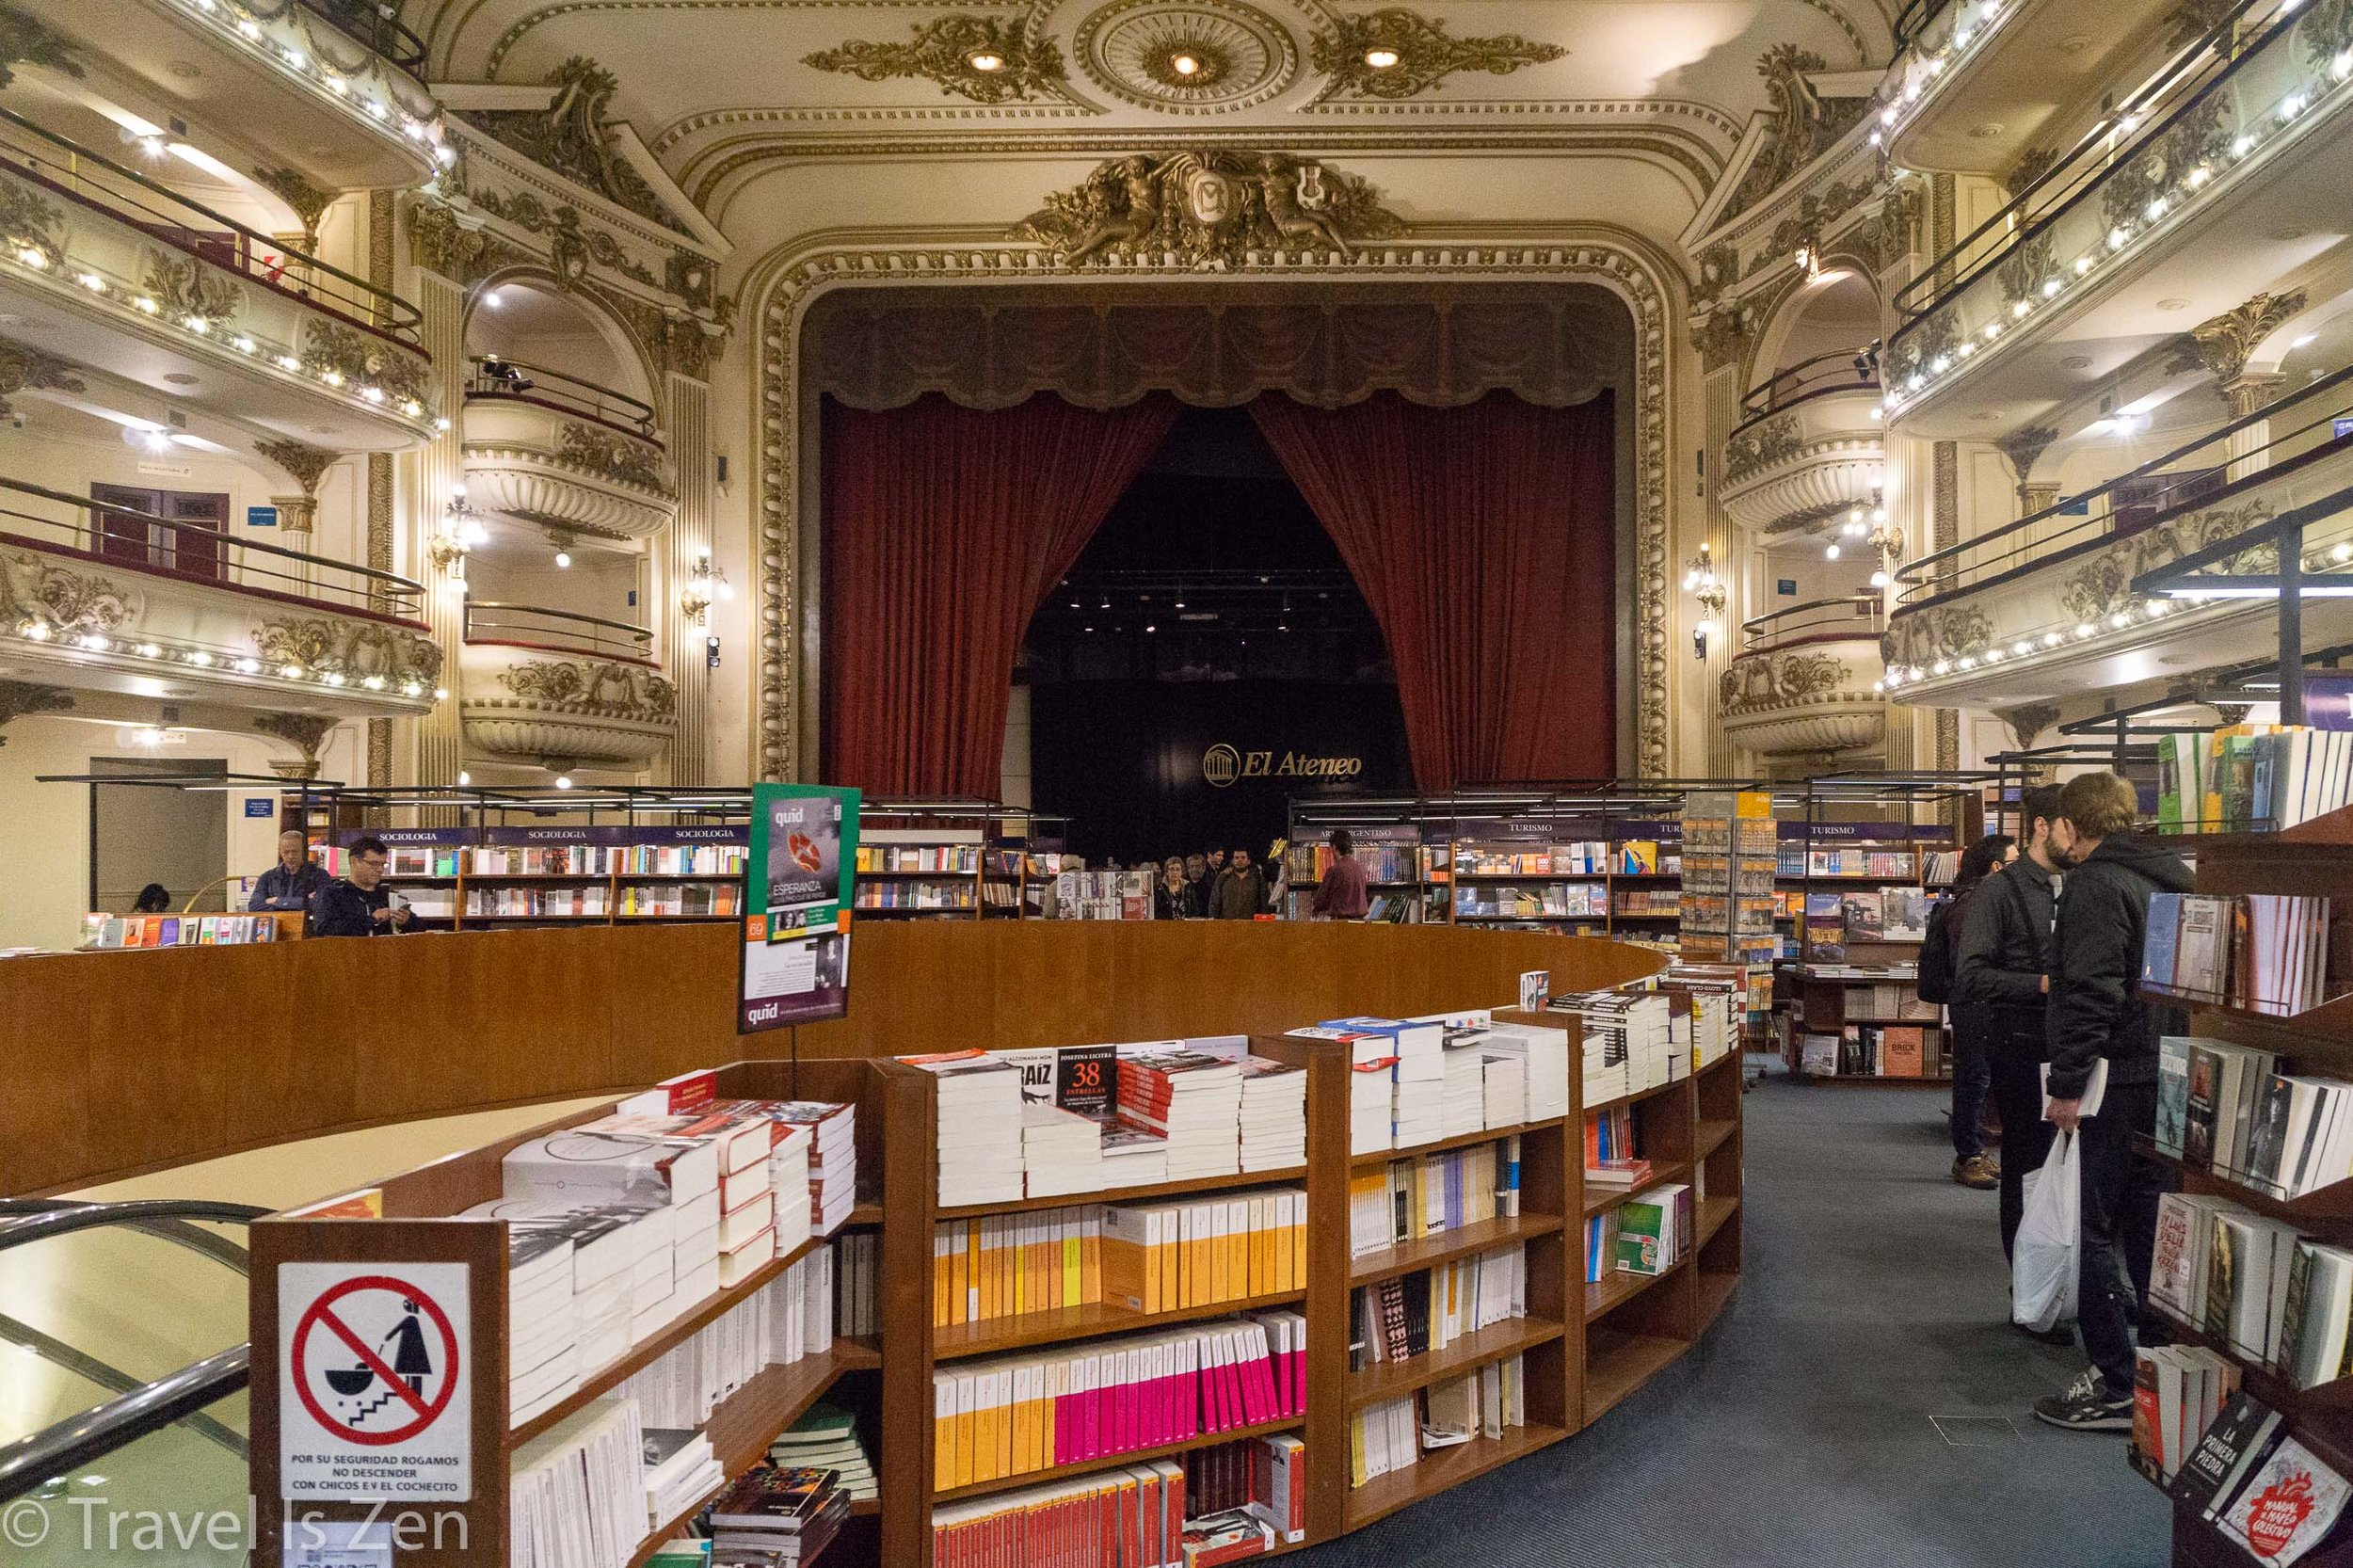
pixel 1799 1431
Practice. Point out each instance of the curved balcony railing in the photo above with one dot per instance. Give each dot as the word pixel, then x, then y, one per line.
pixel 1856 616
pixel 2173 144
pixel 377 26
pixel 195 552
pixel 1837 371
pixel 493 378
pixel 556 631
pixel 2301 428
pixel 92 180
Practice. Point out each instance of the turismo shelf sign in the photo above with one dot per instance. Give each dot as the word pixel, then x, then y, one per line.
pixel 796 897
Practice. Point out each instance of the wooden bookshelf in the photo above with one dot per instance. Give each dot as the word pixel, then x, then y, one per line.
pixel 1150 1192
pixel 1386 1380
pixel 2315 857
pixel 1410 1257
pixel 1444 1468
pixel 995 1336
pixel 1112 1461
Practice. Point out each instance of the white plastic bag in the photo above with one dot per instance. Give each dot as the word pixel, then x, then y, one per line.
pixel 2044 1259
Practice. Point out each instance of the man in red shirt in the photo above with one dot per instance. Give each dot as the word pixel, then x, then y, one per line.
pixel 1340 895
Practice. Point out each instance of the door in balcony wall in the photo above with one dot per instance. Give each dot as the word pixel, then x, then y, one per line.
pixel 194 550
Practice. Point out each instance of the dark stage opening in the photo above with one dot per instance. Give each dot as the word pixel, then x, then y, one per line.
pixel 1208 657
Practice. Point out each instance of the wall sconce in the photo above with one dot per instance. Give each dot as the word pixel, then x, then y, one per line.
pixel 705 584
pixel 1705 589
pixel 461 530
pixel 1886 538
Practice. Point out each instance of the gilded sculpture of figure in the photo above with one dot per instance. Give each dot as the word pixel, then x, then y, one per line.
pixel 1278 187
pixel 1111 224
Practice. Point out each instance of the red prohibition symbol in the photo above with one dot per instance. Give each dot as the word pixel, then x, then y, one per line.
pixel 321 1314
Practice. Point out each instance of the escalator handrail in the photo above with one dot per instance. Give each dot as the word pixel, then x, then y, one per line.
pixel 221 1249
pixel 33 1461
pixel 17 1228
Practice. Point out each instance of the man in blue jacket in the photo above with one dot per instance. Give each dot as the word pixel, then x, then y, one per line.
pixel 289 884
pixel 2095 1015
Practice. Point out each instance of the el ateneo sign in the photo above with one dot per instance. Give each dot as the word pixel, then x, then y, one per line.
pixel 1223 765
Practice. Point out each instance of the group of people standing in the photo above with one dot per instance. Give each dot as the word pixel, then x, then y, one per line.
pixel 1221 885
pixel 2038 952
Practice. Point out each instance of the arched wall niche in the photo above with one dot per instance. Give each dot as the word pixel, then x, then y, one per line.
pixel 538 320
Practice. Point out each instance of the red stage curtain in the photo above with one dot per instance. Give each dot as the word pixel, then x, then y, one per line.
pixel 1484 538
pixel 945 527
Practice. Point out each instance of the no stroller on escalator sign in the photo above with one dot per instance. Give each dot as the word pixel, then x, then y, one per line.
pixel 374 1362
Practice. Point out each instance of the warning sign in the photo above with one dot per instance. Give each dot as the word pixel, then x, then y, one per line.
pixel 373 1368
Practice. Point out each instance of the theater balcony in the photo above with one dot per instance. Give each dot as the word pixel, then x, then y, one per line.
pixel 2214 180
pixel 564 454
pixel 2043 610
pixel 339 83
pixel 1808 448
pixel 1975 82
pixel 103 600
pixel 562 689
pixel 1806 681
pixel 104 267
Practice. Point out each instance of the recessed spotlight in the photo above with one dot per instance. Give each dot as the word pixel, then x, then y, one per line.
pixel 1185 65
pixel 986 62
pixel 1380 59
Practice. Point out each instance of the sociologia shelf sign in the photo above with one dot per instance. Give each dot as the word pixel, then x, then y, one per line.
pixel 373 1367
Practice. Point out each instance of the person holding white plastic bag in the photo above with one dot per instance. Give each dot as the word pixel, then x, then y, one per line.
pixel 2095 1015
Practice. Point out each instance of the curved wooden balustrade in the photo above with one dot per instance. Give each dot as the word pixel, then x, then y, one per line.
pixel 127 1062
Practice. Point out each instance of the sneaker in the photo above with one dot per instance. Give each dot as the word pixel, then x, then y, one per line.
pixel 1976 1172
pixel 2085 1407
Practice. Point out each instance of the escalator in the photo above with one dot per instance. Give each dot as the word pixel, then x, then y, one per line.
pixel 122 1382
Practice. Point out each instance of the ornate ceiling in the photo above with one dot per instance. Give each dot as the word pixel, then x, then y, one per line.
pixel 727 92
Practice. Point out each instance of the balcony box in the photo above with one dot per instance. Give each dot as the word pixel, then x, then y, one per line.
pixel 549 466
pixel 108 599
pixel 1805 460
pixel 560 688
pixel 1804 687
pixel 99 266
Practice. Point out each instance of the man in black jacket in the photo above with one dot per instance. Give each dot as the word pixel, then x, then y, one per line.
pixel 359 905
pixel 2094 1016
pixel 2005 970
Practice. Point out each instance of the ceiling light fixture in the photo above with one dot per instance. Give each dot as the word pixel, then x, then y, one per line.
pixel 1185 65
pixel 987 62
pixel 1380 59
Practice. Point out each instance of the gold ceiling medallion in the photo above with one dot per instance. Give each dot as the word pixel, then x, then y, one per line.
pixel 1393 52
pixel 982 58
pixel 1208 209
pixel 1186 56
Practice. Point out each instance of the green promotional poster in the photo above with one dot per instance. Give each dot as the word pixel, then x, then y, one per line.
pixel 797 895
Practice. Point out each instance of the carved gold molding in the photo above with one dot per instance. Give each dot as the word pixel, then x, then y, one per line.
pixel 1208 207
pixel 24 369
pixel 27 40
pixel 978 58
pixel 1417 51
pixel 787 284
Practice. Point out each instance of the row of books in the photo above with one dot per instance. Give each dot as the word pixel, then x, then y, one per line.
pixel 108 933
pixel 1305 864
pixel 1099 896
pixel 2259 1486
pixel 1797 860
pixel 2269 953
pixel 607 860
pixel 1630 1045
pixel 2177 1392
pixel 1555 901
pixel 1147 1257
pixel 914 895
pixel 1408 1199
pixel 778 1516
pixel 2233 1110
pixel 1873 1050
pixel 1418 1081
pixel 1647 902
pixel 963 859
pixel 1066 1404
pixel 787 1321
pixel 1224 1503
pixel 1706 1004
pixel 825 1438
pixel 2251 775
pixel 576 1492
pixel 1389 1435
pixel 1584 857
pixel 1407 1315
pixel 1872 914
pixel 1613 1152
pixel 1887 1001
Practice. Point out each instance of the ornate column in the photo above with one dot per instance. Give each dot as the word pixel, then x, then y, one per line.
pixel 2223 345
pixel 298 514
pixel 688 405
pixel 429 476
pixel 2025 448
pixel 1906 482
pixel 1721 393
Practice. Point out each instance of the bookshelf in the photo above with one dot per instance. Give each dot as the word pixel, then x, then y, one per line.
pixel 2316 858
pixel 1877 1002
pixel 416 1228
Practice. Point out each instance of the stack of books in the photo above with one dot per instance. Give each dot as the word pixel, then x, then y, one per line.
pixel 2264 951
pixel 1274 1115
pixel 829 1161
pixel 1061 1152
pixel 2177 1392
pixel 1416 1074
pixel 789 1515
pixel 542 1322
pixel 980 1125
pixel 1461 1085
pixel 1543 1055
pixel 681 1471
pixel 1630 1041
pixel 1653 1231
pixel 1197 1252
pixel 577 1492
pixel 825 1438
pixel 1192 1101
pixel 1138 1156
pixel 609 1244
